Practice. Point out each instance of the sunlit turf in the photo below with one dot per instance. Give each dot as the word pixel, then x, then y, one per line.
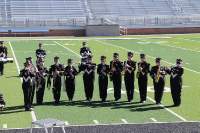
pixel 168 47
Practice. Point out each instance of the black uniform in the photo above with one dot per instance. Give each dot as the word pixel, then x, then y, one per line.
pixel 27 86
pixel 85 52
pixel 40 83
pixel 103 70
pixel 88 79
pixel 158 75
pixel 40 53
pixel 129 78
pixel 3 54
pixel 116 77
pixel 142 75
pixel 176 84
pixel 2 102
pixel 56 72
pixel 70 73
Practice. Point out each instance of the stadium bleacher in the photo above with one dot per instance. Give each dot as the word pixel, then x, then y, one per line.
pixel 141 13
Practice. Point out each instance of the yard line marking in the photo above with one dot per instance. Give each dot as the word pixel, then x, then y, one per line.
pixel 18 70
pixel 67 48
pixel 105 43
pixel 175 114
pixel 186 49
pixel 124 121
pixel 153 119
pixel 5 126
pixel 169 110
pixel 66 123
pixel 33 115
pixel 96 122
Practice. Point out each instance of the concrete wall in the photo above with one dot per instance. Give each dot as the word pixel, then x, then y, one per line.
pixel 54 32
pixel 181 30
pixel 102 30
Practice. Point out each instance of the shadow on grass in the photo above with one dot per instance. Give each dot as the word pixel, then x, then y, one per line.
pixel 12 109
pixel 134 106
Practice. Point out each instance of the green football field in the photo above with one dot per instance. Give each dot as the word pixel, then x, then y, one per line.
pixel 168 47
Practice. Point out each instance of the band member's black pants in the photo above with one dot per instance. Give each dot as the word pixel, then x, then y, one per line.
pixel 32 91
pixel 57 89
pixel 117 84
pixel 158 90
pixel 1 68
pixel 176 87
pixel 129 84
pixel 40 91
pixel 142 82
pixel 70 88
pixel 27 88
pixel 103 86
pixel 88 85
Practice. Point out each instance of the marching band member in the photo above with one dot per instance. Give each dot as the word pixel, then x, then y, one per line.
pixel 103 71
pixel 176 82
pixel 55 72
pixel 40 80
pixel 116 67
pixel 158 73
pixel 88 78
pixel 40 52
pixel 70 74
pixel 3 54
pixel 27 75
pixel 85 52
pixel 34 70
pixel 2 102
pixel 129 76
pixel 142 75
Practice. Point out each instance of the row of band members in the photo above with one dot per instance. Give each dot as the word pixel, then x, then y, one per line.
pixel 34 77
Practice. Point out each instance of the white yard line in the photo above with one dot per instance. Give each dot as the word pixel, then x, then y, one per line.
pixel 170 111
pixel 18 70
pixel 124 121
pixel 67 48
pixel 5 126
pixel 96 122
pixel 153 119
pixel 105 43
pixel 186 49
pixel 66 123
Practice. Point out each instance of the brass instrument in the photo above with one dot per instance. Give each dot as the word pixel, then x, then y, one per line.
pixel 139 71
pixel 111 71
pixel 157 76
pixel 126 68
pixel 40 75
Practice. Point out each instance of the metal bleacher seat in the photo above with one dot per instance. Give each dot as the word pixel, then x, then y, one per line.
pixel 46 9
pixel 128 13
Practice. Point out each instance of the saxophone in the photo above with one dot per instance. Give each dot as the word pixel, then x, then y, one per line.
pixel 157 76
pixel 139 71
pixel 126 68
pixel 111 70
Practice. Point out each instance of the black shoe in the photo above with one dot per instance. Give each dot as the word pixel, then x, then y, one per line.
pixel 176 105
pixel 117 99
pixel 103 100
pixel 158 103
